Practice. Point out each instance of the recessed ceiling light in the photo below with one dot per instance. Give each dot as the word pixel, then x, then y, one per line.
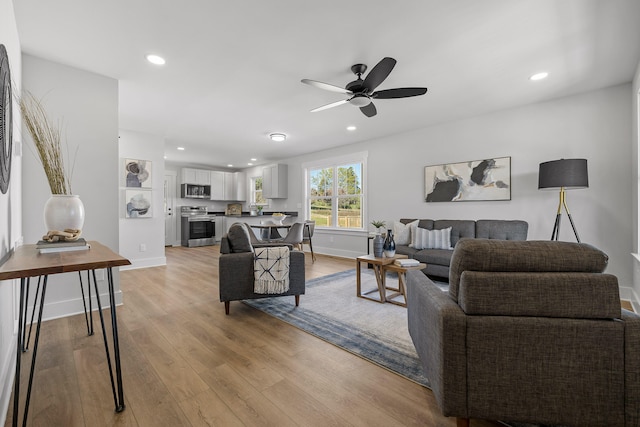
pixel 180 148
pixel 249 164
pixel 165 157
pixel 155 59
pixel 539 76
pixel 229 165
pixel 277 137
pixel 253 160
pixel 351 128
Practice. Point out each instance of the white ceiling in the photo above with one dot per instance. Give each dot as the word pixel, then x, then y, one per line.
pixel 234 67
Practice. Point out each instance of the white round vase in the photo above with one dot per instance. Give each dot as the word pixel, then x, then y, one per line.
pixel 63 212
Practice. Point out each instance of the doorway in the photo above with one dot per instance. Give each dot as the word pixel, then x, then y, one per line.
pixel 170 225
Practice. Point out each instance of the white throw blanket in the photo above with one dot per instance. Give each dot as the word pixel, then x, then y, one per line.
pixel 271 270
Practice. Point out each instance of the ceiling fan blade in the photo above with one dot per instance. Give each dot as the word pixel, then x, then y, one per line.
pixel 333 104
pixel 403 92
pixel 369 110
pixel 379 73
pixel 326 86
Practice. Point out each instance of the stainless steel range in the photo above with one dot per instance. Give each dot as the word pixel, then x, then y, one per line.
pixel 198 227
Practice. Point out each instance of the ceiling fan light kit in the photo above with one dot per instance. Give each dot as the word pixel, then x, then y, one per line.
pixel 362 91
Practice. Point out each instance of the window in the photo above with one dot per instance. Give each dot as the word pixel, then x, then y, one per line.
pixel 335 193
pixel 256 192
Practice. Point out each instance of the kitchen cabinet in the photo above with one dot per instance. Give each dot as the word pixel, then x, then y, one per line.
pixel 196 176
pixel 229 186
pixel 274 182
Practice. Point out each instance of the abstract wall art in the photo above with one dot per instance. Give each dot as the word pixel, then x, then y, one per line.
pixel 137 173
pixel 138 204
pixel 488 179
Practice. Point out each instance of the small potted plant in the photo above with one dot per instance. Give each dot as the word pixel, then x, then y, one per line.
pixel 259 209
pixel 379 225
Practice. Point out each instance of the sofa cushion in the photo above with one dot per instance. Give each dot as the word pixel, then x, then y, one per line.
pixel 402 232
pixel 238 237
pixel 501 229
pixel 522 256
pixel 459 228
pixel 434 256
pixel 432 239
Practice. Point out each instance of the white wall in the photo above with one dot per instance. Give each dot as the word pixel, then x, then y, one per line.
pixel 10 215
pixel 148 232
pixel 87 104
pixel 595 125
pixel 635 180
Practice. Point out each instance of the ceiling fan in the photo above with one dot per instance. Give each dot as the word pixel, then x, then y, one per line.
pixel 361 92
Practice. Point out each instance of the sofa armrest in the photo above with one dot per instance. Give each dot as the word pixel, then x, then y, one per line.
pixel 568 295
pixel 631 368
pixel 437 327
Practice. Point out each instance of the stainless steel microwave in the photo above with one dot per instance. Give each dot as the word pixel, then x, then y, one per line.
pixel 195 191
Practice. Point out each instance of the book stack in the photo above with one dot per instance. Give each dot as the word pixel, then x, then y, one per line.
pixel 52 247
pixel 406 262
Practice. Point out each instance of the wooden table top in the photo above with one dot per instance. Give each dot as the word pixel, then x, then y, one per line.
pixel 27 261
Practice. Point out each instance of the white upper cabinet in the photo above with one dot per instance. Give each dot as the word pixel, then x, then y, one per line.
pixel 229 186
pixel 274 182
pixel 195 176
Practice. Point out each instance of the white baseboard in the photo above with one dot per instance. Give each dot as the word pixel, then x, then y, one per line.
pixel 336 252
pixel 6 379
pixel 59 309
pixel 144 263
pixel 629 294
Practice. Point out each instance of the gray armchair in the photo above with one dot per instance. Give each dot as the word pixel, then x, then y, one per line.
pixel 236 279
pixel 530 331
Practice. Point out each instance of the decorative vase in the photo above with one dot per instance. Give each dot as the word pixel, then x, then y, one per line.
pixel 389 245
pixel 378 243
pixel 63 212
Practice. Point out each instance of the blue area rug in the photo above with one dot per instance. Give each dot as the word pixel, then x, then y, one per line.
pixel 331 311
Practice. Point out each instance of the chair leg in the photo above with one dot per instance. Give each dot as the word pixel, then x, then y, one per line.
pixel 462 422
pixel 297 300
pixel 226 307
pixel 313 257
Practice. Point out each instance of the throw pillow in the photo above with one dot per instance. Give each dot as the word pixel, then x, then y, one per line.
pixel 433 239
pixel 402 232
pixel 239 240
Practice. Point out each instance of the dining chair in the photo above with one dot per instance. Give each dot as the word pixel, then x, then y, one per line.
pixel 309 228
pixel 295 235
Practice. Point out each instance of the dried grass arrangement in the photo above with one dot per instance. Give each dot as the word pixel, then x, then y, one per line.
pixel 46 137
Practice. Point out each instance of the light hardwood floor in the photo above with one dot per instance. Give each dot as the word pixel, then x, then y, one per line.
pixel 187 364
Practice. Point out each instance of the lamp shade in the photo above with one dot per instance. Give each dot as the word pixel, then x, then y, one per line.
pixel 568 173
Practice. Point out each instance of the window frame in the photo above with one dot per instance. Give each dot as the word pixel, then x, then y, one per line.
pixel 252 192
pixel 335 163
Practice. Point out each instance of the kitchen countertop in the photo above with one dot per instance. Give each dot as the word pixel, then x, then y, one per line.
pixel 248 214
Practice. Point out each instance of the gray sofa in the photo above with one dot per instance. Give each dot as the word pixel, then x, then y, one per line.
pixel 531 333
pixel 438 260
pixel 235 268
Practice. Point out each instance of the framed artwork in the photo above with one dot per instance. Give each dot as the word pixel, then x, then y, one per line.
pixel 137 173
pixel 488 179
pixel 138 204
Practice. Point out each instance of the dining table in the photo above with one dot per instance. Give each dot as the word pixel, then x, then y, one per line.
pixel 269 231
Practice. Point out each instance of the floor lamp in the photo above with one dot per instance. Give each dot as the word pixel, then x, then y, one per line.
pixel 563 174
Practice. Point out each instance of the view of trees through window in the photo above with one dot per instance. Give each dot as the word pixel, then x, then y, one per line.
pixel 335 196
pixel 257 198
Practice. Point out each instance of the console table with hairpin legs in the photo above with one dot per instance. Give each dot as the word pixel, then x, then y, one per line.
pixel 26 262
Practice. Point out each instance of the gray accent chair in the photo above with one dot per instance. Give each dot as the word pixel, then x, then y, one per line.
pixel 235 269
pixel 530 331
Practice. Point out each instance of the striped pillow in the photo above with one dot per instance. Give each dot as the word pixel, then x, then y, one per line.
pixel 433 239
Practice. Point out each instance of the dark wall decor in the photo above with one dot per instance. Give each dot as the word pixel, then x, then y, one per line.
pixel 488 179
pixel 6 121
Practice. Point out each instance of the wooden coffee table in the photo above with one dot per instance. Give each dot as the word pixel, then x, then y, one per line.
pixel 402 282
pixel 377 264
